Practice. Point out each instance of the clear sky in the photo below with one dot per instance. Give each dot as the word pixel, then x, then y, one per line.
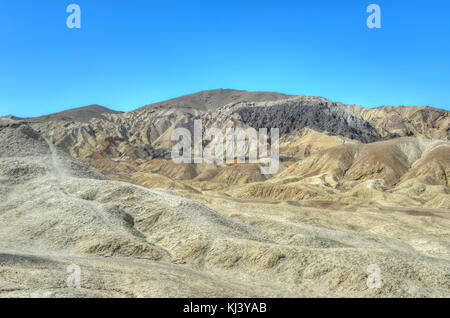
pixel 132 53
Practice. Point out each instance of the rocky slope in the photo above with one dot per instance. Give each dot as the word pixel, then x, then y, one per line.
pixel 402 172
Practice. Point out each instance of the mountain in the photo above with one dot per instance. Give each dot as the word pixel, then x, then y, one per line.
pixel 424 121
pixel 212 99
pixel 145 133
pixel 97 188
pixel 80 114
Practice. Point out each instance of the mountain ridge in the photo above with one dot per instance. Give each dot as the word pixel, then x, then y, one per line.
pixel 227 96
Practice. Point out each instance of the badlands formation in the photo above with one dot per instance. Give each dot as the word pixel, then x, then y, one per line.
pixel 356 188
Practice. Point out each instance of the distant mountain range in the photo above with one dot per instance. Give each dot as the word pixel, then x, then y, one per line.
pixel 144 132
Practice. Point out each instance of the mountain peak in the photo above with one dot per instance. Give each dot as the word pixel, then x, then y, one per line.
pixel 79 114
pixel 209 100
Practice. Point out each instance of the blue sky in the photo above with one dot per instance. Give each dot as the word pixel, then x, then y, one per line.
pixel 131 53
